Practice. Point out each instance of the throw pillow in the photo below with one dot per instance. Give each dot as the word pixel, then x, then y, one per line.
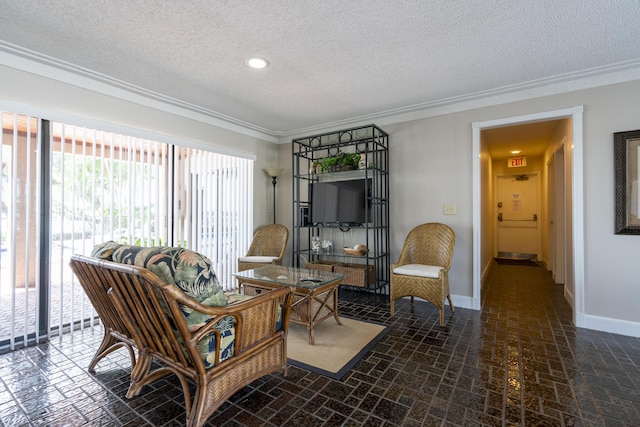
pixel 105 250
pixel 187 269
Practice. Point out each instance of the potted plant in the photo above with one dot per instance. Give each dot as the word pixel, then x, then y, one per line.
pixel 328 164
pixel 349 161
pixel 340 162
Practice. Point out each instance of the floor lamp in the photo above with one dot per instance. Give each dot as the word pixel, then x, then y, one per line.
pixel 273 173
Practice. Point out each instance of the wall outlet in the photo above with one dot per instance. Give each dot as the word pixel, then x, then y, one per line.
pixel 449 209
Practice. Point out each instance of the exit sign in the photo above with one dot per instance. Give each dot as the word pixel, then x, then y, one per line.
pixel 517 162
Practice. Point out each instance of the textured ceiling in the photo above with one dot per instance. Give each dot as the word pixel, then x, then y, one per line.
pixel 332 62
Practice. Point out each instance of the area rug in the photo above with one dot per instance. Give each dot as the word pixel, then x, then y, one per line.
pixel 337 348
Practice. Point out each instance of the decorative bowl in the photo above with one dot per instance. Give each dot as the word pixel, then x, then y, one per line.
pixel 358 250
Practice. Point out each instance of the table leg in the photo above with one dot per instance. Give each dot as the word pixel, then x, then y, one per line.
pixel 335 305
pixel 310 319
pixel 312 339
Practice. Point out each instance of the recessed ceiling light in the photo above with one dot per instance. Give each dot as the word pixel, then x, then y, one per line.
pixel 516 151
pixel 257 63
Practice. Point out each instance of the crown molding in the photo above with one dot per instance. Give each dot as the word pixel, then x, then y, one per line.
pixel 45 66
pixel 39 64
pixel 563 83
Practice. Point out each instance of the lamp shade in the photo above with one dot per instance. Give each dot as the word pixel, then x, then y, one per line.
pixel 273 172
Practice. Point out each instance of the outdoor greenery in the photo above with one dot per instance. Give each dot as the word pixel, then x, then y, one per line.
pixel 94 194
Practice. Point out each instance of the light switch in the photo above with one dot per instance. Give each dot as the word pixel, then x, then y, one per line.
pixel 449 209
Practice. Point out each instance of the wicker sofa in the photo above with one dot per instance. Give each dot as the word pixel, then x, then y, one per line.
pixel 166 304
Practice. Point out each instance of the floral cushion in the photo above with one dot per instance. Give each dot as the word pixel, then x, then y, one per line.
pixel 105 250
pixel 194 275
pixel 188 270
pixel 233 298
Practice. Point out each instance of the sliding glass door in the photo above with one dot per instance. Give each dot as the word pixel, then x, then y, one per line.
pixel 214 207
pixel 67 188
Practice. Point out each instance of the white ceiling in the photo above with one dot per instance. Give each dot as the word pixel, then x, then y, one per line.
pixel 332 62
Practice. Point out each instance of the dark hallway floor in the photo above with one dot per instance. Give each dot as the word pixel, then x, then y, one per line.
pixel 519 361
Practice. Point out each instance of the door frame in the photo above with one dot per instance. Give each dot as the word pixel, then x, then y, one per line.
pixel 557 208
pixel 577 214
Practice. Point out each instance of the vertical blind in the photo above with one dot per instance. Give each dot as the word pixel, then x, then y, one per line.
pixel 106 186
pixel 103 186
pixel 215 207
pixel 20 287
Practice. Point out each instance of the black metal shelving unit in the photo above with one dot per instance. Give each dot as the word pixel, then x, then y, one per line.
pixel 372 143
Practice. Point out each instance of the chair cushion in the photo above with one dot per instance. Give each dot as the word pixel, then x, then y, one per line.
pixel 194 275
pixel 207 345
pixel 184 268
pixel 420 270
pixel 226 327
pixel 233 298
pixel 265 259
pixel 105 250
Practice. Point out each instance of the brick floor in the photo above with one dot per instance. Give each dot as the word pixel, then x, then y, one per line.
pixel 519 361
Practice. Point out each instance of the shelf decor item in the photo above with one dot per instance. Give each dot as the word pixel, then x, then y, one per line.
pixel 315 244
pixel 359 275
pixel 327 246
pixel 340 162
pixel 358 250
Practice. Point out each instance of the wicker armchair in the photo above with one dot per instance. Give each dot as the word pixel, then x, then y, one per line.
pixel 268 246
pixel 423 267
pixel 218 361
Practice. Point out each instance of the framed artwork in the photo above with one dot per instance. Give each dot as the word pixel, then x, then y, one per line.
pixel 626 147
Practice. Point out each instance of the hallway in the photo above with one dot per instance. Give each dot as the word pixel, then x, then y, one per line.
pixel 518 362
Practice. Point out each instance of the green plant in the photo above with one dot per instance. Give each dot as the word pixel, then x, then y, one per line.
pixel 340 160
pixel 329 162
pixel 350 159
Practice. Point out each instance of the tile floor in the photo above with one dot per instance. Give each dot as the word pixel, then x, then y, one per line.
pixel 518 361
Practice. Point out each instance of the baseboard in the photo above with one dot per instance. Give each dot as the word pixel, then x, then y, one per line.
pixel 485 270
pixel 568 296
pixel 614 326
pixel 462 301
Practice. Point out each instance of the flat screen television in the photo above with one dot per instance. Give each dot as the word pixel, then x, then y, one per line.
pixel 339 202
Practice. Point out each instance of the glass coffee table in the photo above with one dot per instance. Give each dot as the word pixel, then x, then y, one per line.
pixel 315 292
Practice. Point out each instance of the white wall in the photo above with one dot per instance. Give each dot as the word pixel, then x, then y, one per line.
pixel 430 164
pixel 64 102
